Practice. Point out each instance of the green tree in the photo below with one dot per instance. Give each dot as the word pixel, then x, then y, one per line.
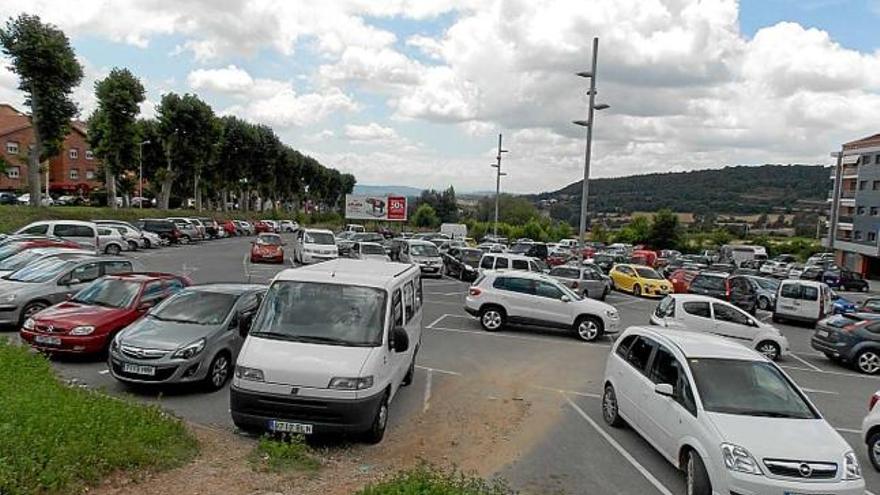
pixel 636 232
pixel 425 216
pixel 720 237
pixel 113 131
pixel 598 233
pixel 665 230
pixel 533 230
pixel 48 72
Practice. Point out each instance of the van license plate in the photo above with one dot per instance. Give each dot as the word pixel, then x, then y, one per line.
pixel 286 427
pixel 138 369
pixel 821 333
pixel 43 339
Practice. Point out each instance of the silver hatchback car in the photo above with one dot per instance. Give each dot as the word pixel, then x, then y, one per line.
pixel 192 337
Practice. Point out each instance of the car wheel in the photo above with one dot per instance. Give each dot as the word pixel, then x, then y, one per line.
pixel 637 290
pixel 30 310
pixel 604 294
pixel 864 288
pixel 185 239
pixel 112 249
pixel 874 450
pixel 696 477
pixel 492 318
pixel 132 245
pixel 868 362
pixel 610 413
pixel 776 318
pixel 377 430
pixel 218 372
pixel 147 244
pixel 769 349
pixel 764 303
pixel 588 328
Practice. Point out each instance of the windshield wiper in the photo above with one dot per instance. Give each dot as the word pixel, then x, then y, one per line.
pixel 274 335
pixel 768 414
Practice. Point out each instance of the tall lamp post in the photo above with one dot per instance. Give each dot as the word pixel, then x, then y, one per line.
pixel 498 175
pixel 591 75
pixel 140 173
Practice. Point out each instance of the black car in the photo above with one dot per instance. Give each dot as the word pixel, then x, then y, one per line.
pixel 845 280
pixel 462 263
pixel 850 338
pixel 531 249
pixel 163 228
pixel 606 260
pixel 738 290
pixel 7 198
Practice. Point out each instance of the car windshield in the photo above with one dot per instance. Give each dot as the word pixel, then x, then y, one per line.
pixel 197 307
pixel 471 256
pixel 426 250
pixel 372 249
pixel 322 313
pixel 520 248
pixel 748 388
pixel 272 240
pixel 40 271
pixel 9 250
pixel 21 259
pixel 767 284
pixel 649 273
pixel 322 238
pixel 109 292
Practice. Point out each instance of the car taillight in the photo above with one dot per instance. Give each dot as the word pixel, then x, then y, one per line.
pixel 574 285
pixel 727 288
pixel 475 291
pixel 873 400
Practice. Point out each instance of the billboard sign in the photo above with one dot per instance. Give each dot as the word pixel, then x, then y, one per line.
pixel 390 208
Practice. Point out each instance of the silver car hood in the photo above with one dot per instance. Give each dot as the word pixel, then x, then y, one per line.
pixel 150 333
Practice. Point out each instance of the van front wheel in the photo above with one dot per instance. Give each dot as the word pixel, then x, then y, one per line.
pixel 377 431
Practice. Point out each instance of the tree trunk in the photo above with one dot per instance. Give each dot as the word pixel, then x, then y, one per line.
pixel 224 197
pixel 197 193
pixel 111 188
pixel 34 155
pixel 167 181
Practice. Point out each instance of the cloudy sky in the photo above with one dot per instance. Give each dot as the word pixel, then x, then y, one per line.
pixel 415 92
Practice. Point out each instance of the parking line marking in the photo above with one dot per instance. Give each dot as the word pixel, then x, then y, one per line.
pixel 849 430
pixel 427 402
pixel 103 372
pixel 569 392
pixel 809 365
pixel 814 391
pixel 444 372
pixel 518 337
pixel 869 492
pixel 438 320
pixel 244 265
pixel 838 373
pixel 444 293
pixel 626 455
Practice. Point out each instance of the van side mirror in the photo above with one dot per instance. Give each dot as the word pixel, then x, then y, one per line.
pixel 565 298
pixel 664 389
pixel 244 324
pixel 399 339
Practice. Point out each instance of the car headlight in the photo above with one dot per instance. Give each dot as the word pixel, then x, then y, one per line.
pixel 343 383
pixel 190 350
pixel 851 468
pixel 611 313
pixel 251 374
pixel 82 330
pixel 29 324
pixel 468 268
pixel 114 344
pixel 8 298
pixel 738 459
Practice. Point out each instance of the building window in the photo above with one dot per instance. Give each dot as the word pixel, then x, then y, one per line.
pixel 862 184
pixel 73 153
pixel 866 159
pixel 872 236
pixel 860 210
pixel 74 174
pixel 857 235
pixel 876 159
pixel 91 156
pixel 12 147
pixel 13 172
pixel 90 174
pixel 875 185
pixel 874 211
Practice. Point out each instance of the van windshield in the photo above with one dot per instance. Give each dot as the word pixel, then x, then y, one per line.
pixel 320 238
pixel 319 313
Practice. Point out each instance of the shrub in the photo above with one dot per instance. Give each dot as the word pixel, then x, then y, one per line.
pixel 428 480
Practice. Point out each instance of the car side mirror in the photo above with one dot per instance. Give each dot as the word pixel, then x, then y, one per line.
pixel 565 298
pixel 664 389
pixel 399 339
pixel 72 281
pixel 244 324
pixel 69 297
pixel 145 305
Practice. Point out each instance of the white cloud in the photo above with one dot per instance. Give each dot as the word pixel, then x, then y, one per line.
pixel 230 79
pixel 370 132
pixel 289 109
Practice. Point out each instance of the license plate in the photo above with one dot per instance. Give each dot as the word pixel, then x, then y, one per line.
pixel 138 369
pixel 822 333
pixel 287 427
pixel 45 339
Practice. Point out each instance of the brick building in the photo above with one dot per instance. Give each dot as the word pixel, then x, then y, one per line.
pixel 73 171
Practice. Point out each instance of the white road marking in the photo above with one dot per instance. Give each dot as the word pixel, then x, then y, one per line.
pixel 826 372
pixel 427 402
pixel 438 320
pixel 849 430
pixel 103 372
pixel 814 391
pixel 438 370
pixel 444 293
pixel 869 492
pixel 808 365
pixel 244 265
pixel 567 392
pixel 626 455
pixel 520 337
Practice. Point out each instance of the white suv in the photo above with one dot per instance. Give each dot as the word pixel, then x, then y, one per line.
pixel 725 415
pixel 871 430
pixel 498 298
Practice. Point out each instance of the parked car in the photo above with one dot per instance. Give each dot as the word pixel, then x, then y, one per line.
pixel 531 249
pixel 244 227
pixel 364 361
pixel 133 236
pixel 639 280
pixel 644 257
pixel 82 233
pixel 191 229
pixel 507 261
pixel 353 227
pixel 841 305
pixel 709 315
pixel 265 226
pixel 462 263
pixel 28 256
pixel 518 297
pixel 352 237
pixel 588 281
pixel 165 229
pixel 288 226
pixel 11 247
pixel 812 272
pixel 267 248
pixel 212 228
pixel 870 305
pixel 45 200
pixel 795 270
pixel 845 280
pixel 192 336
pixel 737 289
pixel 802 300
pixel 681 279
pixel 851 339
pixel 766 289
pixel 8 198
pixel 775 269
pixel 605 261
pixel 41 284
pixel 871 430
pixel 87 322
pixel 424 254
pixel 314 246
pixel 110 241
pixel 733 421
pixel 230 228
pixel 368 251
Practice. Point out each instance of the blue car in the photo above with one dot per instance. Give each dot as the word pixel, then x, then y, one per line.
pixel 841 305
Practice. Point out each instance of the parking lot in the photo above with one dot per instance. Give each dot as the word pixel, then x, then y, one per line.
pixel 521 403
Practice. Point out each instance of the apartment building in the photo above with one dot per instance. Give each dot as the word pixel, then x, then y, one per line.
pixel 73 171
pixel 854 221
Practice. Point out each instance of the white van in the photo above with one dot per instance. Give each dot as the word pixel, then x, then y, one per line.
pixel 803 300
pixel 454 230
pixel 505 261
pixel 83 233
pixel 329 349
pixel 314 245
pixel 738 253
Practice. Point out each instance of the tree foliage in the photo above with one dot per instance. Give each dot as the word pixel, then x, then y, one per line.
pixel 511 209
pixel 665 231
pixel 425 216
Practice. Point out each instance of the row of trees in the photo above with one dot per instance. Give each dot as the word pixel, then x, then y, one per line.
pixel 186 151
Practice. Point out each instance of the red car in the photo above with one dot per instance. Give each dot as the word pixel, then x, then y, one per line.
pixel 644 257
pixel 681 280
pixel 229 227
pixel 18 246
pixel 88 321
pixel 558 259
pixel 268 248
pixel 261 226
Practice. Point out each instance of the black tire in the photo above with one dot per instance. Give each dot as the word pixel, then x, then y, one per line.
pixel 868 361
pixel 637 290
pixel 147 244
pixel 864 288
pixel 112 250
pixel 610 411
pixel 696 478
pixel 30 310
pixel 380 422
pixel 832 357
pixel 764 303
pixel 776 318
pixel 588 328
pixel 874 449
pixel 604 294
pixel 769 349
pixel 184 239
pixel 492 318
pixel 218 372
pixel 132 245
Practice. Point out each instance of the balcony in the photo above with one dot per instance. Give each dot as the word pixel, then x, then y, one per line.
pixel 848 194
pixel 844 219
pixel 850 173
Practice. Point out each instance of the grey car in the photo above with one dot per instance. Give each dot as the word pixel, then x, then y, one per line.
pixel 589 281
pixel 43 283
pixel 192 337
pixel 422 253
pixel 766 289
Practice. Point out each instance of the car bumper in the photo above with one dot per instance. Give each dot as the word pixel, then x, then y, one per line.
pixel 9 314
pixel 436 270
pixel 840 350
pixel 257 409
pixel 612 325
pixel 192 370
pixel 317 258
pixel 657 291
pixel 749 484
pixel 68 344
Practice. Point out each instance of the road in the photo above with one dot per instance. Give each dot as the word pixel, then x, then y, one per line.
pixel 541 387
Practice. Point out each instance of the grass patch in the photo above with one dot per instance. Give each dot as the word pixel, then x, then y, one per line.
pixel 59 439
pixel 425 479
pixel 283 455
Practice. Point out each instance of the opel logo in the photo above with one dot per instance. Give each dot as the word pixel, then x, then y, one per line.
pixel 294 391
pixel 805 470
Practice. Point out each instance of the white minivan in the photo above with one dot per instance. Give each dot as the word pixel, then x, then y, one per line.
pixel 329 349
pixel 83 233
pixel 802 300
pixel 314 246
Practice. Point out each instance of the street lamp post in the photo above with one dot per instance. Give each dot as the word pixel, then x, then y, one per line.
pixel 589 125
pixel 140 173
pixel 498 175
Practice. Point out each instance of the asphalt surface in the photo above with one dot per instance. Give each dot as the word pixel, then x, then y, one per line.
pixel 557 375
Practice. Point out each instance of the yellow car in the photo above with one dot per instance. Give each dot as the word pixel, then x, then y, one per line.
pixel 640 280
